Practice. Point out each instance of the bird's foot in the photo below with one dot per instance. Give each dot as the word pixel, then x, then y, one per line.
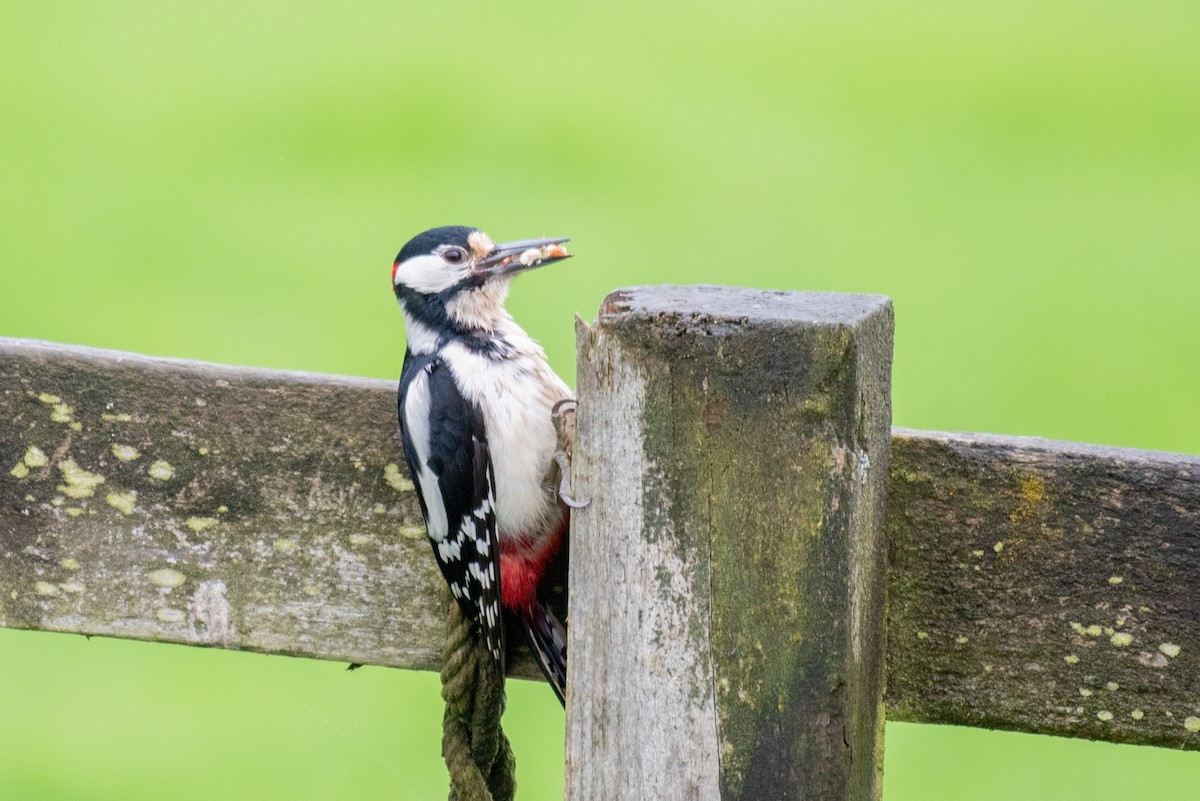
pixel 563 414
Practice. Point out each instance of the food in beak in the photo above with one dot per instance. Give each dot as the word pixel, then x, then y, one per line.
pixel 531 256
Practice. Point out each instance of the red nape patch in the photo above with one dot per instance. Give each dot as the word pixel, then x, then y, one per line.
pixel 395 267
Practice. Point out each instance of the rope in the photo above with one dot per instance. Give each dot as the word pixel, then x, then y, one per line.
pixel 477 754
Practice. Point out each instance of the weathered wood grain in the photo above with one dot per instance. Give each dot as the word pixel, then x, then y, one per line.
pixel 319 551
pixel 727 578
pixel 175 501
pixel 1045 587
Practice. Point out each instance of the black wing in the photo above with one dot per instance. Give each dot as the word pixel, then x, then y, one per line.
pixel 445 444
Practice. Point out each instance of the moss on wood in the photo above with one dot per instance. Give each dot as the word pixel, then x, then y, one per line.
pixel 756 417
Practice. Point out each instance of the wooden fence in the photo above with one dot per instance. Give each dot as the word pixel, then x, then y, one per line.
pixel 751 509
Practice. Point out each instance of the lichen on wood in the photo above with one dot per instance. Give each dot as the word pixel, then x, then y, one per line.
pixel 1044 587
pixel 175 501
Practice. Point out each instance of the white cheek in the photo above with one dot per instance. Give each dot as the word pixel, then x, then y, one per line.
pixel 428 274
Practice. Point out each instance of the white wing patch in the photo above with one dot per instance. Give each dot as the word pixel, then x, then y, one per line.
pixel 450 549
pixel 416 423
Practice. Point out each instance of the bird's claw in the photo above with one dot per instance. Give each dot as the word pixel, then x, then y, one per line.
pixel 564 484
pixel 563 414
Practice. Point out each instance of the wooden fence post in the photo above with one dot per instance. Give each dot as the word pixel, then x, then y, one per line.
pixel 727 580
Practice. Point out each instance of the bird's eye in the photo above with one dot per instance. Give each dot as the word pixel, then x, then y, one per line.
pixel 454 255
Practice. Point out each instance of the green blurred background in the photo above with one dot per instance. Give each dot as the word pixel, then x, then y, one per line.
pixel 229 181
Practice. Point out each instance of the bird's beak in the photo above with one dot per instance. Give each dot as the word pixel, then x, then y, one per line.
pixel 513 257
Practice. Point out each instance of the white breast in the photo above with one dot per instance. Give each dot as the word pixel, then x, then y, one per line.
pixel 516 396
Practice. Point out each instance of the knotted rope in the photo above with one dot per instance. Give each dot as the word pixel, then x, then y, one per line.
pixel 477 753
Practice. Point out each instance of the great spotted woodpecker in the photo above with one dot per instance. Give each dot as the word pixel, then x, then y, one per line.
pixel 476 405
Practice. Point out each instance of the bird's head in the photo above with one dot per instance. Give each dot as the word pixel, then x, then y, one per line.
pixel 457 277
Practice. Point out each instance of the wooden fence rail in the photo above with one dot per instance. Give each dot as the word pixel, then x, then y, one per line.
pixel 1031 585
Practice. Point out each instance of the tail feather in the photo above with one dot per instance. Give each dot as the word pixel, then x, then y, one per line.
pixel 547 638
